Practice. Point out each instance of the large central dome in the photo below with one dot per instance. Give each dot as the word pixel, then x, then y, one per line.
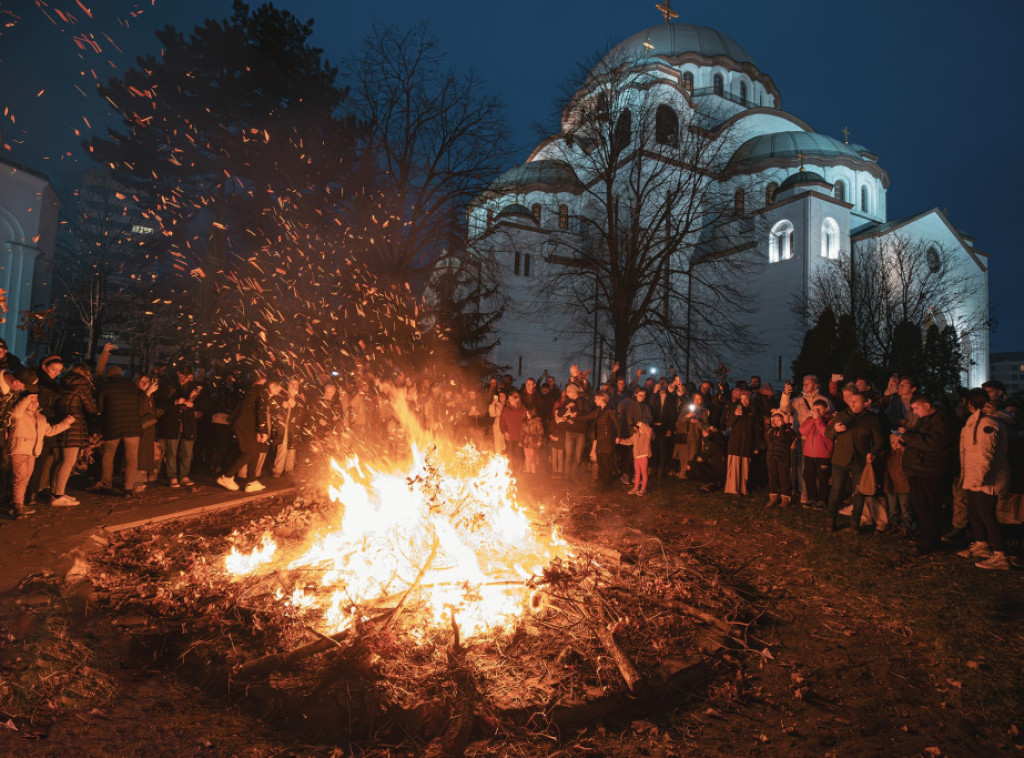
pixel 676 39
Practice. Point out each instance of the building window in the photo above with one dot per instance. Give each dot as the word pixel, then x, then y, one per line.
pixel 780 243
pixel 864 199
pixel 719 84
pixel 839 191
pixel 666 126
pixel 515 266
pixel 563 217
pixel 743 91
pixel 770 192
pixel 535 210
pixel 829 239
pixel 739 202
pixel 623 129
pixel 934 262
pixel 602 104
pixel 688 81
pixel 526 265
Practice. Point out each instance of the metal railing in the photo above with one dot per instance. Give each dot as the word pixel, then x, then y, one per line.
pixel 704 91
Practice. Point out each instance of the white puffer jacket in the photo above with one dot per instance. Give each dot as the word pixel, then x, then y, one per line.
pixel 984 455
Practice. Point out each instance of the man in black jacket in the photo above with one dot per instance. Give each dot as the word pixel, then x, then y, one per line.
pixel 251 422
pixel 664 409
pixel 47 373
pixel 121 405
pixel 859 441
pixel 929 450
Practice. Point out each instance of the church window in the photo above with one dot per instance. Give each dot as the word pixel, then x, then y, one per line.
pixel 864 199
pixel 934 262
pixel 535 210
pixel 739 202
pixel 623 129
pixel 719 84
pixel 688 81
pixel 602 103
pixel 780 243
pixel 743 91
pixel 563 217
pixel 829 239
pixel 666 126
pixel 839 191
pixel 526 265
pixel 769 194
pixel 515 266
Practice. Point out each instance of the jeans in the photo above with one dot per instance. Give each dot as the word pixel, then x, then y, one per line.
pixel 898 509
pixel 131 461
pixel 177 456
pixel 573 452
pixel 69 457
pixel 981 509
pixel 840 477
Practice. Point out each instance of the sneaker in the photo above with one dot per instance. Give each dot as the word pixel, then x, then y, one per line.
pixel 254 486
pixel 228 483
pixel 186 481
pixel 955 535
pixel 642 493
pixel 632 492
pixel 64 501
pixel 996 561
pixel 977 550
pixel 18 510
pixel 174 482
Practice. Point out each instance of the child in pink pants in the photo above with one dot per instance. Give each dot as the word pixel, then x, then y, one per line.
pixel 641 443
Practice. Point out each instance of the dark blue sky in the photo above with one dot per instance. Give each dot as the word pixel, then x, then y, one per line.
pixel 928 85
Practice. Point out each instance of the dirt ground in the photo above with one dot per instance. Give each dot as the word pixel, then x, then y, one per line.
pixel 868 649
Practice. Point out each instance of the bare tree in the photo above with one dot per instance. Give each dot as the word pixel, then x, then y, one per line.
pixel 658 257
pixel 432 139
pixel 894 286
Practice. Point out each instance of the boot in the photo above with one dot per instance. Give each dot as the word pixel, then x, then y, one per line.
pixel 785 501
pixel 773 500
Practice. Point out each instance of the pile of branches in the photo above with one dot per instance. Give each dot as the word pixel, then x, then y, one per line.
pixel 624 628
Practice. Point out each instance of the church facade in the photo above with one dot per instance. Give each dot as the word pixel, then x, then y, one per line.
pixel 784 198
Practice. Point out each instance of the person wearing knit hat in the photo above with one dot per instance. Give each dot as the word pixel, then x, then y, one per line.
pixel 8 361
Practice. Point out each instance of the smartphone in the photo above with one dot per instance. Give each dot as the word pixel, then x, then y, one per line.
pixel 693 408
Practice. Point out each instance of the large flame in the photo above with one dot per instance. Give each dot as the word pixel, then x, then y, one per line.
pixel 444 538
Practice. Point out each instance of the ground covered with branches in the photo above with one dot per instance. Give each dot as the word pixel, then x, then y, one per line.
pixel 685 623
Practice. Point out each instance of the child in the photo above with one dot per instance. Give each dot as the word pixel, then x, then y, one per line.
pixel 781 440
pixel 533 438
pixel 897 491
pixel 817 453
pixel 25 442
pixel 641 442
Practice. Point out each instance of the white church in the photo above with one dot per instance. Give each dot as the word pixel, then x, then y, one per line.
pixel 805 199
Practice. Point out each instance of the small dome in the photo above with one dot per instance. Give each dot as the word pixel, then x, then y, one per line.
pixel 791 145
pixel 676 39
pixel 803 177
pixel 515 210
pixel 552 173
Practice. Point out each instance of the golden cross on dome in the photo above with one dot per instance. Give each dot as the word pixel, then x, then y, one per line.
pixel 846 135
pixel 666 10
pixel 800 155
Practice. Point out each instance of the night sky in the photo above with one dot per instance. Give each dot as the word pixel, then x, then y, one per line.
pixel 927 85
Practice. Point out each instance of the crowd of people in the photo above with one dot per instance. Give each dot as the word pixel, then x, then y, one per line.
pixel 903 462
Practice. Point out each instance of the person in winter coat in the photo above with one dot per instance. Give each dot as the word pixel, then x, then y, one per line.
pixel 25 438
pixel 494 411
pixel 746 437
pixel 572 416
pixel 779 443
pixel 691 422
pixel 640 441
pixel 511 422
pixel 176 429
pixel 859 441
pixel 48 381
pixel 75 400
pixel 899 513
pixel 606 431
pixel 121 406
pixel 985 475
pixel 817 453
pixel 929 451
pixel 251 422
pixel 533 439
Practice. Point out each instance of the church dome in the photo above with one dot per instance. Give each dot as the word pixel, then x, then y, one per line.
pixel 552 173
pixel 803 177
pixel 676 39
pixel 791 145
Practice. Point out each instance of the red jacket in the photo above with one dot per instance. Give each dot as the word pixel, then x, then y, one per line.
pixel 816 444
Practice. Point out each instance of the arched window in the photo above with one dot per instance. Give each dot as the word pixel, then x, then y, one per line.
pixel 739 202
pixel 688 81
pixel 780 243
pixel 666 126
pixel 864 199
pixel 602 103
pixel 769 193
pixel 623 129
pixel 839 190
pixel 829 239
pixel 719 83
pixel 535 210
pixel 934 261
pixel 563 217
pixel 743 91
